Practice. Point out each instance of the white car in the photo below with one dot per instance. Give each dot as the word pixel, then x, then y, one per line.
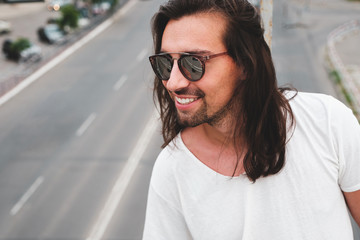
pixel 31 54
pixel 100 8
pixel 5 27
pixel 51 33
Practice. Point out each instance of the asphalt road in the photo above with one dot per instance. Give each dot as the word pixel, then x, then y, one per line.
pixel 68 138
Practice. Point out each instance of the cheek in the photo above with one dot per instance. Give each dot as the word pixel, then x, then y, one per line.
pixel 225 94
pixel 164 83
pixel 217 95
pixel 222 90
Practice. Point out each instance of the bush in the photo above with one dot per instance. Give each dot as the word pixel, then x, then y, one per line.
pixel 114 3
pixel 20 44
pixel 69 17
pixel 20 49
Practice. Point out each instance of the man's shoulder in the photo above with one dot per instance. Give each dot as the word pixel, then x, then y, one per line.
pixel 169 157
pixel 308 97
pixel 316 103
pixel 321 112
pixel 172 166
pixel 173 149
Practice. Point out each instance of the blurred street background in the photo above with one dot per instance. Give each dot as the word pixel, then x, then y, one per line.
pixel 78 132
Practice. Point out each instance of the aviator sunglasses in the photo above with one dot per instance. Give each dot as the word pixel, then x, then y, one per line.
pixel 191 66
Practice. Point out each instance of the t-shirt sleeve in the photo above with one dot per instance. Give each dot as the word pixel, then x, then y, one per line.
pixel 164 219
pixel 346 137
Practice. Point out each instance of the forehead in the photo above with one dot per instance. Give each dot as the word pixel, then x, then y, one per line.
pixel 199 32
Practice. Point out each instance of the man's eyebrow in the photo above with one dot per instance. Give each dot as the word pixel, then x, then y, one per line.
pixel 196 52
pixel 199 52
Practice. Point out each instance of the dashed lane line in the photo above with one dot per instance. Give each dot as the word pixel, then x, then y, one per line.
pixel 82 129
pixel 27 195
pixel 121 82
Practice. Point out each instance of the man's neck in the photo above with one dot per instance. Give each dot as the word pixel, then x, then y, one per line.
pixel 214 146
pixel 219 134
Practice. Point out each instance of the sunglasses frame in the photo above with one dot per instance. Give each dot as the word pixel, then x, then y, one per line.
pixel 201 58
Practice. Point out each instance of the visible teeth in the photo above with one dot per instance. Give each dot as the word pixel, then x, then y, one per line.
pixel 185 100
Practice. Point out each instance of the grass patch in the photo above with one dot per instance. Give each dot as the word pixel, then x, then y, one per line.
pixel 337 79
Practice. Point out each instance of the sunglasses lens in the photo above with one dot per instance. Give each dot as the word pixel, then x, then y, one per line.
pixel 191 67
pixel 162 67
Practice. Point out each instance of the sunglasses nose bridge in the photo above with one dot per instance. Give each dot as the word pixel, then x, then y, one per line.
pixel 173 64
pixel 177 80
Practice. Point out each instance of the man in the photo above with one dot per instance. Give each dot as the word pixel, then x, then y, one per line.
pixel 242 158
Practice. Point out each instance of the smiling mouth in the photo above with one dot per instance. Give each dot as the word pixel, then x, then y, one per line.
pixel 185 101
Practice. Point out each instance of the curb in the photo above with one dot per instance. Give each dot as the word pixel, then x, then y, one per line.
pixel 345 78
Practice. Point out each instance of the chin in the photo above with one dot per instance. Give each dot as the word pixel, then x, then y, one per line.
pixel 188 121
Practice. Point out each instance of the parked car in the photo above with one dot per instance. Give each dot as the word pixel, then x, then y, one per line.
pixel 21 50
pixel 5 27
pixel 101 8
pixel 51 33
pixel 83 22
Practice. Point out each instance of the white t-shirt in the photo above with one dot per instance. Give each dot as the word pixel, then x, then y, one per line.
pixel 188 200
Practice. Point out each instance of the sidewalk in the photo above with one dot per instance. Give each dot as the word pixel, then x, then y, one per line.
pixel 16 10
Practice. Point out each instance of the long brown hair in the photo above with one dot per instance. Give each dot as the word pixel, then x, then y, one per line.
pixel 260 108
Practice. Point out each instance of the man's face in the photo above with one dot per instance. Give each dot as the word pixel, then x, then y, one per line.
pixel 206 100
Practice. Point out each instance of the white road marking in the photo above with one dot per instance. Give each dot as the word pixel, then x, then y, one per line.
pixel 26 196
pixel 121 82
pixel 123 180
pixel 47 67
pixel 142 55
pixel 82 129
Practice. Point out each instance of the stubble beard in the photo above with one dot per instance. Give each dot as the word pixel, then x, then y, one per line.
pixel 201 116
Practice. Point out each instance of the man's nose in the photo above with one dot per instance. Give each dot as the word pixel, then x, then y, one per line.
pixel 176 81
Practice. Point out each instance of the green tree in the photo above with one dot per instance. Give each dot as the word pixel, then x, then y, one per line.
pixel 69 17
